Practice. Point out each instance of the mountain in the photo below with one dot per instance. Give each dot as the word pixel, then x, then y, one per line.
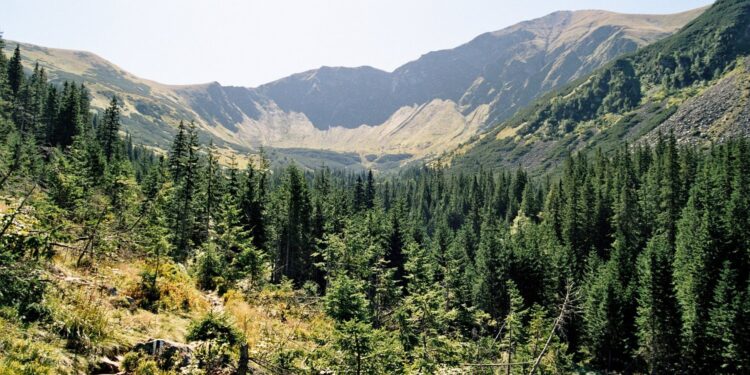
pixel 694 84
pixel 371 117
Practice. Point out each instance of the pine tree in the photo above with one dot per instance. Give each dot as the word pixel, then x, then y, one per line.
pixel 178 152
pixel 723 345
pixel 3 70
pixel 37 90
pixel 658 314
pixel 489 288
pixel 692 273
pixel 185 165
pixel 69 122
pixel 15 73
pixel 346 301
pixel 369 194
pixel 109 128
pixel 359 195
pixel 396 242
pixel 252 204
pixel 355 339
pixel 212 191
pixel 515 334
pixel 50 116
pixel 294 245
pixel 605 331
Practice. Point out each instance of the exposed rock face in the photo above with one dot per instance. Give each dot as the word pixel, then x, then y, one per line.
pixel 720 112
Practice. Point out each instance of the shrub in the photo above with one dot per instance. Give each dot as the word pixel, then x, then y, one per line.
pixel 208 268
pixel 214 357
pixel 22 288
pixel 150 293
pixel 345 300
pixel 174 290
pixel 130 361
pixel 213 327
pixel 147 367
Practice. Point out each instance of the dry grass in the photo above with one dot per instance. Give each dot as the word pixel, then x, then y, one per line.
pixel 279 320
pixel 507 132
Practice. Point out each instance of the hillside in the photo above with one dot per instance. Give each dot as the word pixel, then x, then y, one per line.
pixel 629 260
pixel 363 114
pixel 694 84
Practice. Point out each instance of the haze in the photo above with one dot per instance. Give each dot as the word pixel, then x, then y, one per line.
pixel 253 42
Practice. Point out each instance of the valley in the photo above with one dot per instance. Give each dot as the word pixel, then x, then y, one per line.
pixel 567 195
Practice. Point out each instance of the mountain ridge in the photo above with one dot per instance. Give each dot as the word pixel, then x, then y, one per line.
pixel 488 79
pixel 694 84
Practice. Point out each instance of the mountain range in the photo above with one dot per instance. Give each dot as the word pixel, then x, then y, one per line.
pixel 355 117
pixel 694 84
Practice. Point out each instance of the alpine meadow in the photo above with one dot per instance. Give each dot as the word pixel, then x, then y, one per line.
pixel 566 195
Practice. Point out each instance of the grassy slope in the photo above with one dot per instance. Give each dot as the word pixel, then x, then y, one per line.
pixel 99 303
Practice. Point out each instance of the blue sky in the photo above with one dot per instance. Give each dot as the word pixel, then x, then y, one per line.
pixel 250 42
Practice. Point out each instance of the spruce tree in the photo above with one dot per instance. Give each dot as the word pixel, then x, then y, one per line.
pixel 178 153
pixel 359 195
pixel 15 73
pixel 491 260
pixel 604 318
pixel 294 245
pixel 396 243
pixel 692 273
pixel 252 203
pixel 69 122
pixel 658 314
pixel 723 345
pixel 369 194
pixel 109 128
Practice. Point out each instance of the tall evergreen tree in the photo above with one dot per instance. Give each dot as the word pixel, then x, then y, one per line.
pixel 109 128
pixel 658 314
pixel 15 73
pixel 294 245
pixel 692 273
pixel 723 347
pixel 252 204
pixel 369 193
pixel 70 121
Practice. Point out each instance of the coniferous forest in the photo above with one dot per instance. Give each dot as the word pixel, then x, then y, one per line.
pixel 635 260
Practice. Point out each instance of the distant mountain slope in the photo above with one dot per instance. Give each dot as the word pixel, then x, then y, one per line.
pixel 507 68
pixel 695 83
pixel 420 110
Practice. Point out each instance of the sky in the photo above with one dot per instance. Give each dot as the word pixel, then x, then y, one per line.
pixel 251 42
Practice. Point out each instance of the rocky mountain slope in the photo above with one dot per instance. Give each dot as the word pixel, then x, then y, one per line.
pixel 695 84
pixel 419 110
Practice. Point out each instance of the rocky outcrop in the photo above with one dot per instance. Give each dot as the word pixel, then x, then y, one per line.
pixel 717 114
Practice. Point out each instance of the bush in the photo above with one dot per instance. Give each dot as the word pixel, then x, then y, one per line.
pixel 150 291
pixel 208 268
pixel 174 290
pixel 147 367
pixel 213 327
pixel 22 288
pixel 130 361
pixel 19 355
pixel 214 357
pixel 345 300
